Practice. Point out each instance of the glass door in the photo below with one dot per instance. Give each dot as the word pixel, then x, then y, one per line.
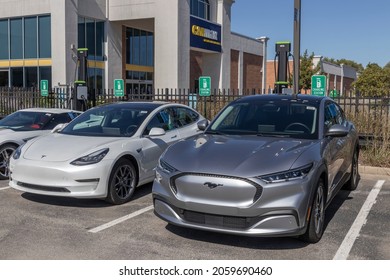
pixel 4 78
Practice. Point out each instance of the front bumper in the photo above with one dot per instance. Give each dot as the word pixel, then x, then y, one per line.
pixel 60 178
pixel 281 210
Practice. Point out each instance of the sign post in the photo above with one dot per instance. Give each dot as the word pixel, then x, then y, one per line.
pixel 119 88
pixel 44 87
pixel 318 85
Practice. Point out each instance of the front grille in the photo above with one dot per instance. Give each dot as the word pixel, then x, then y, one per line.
pixel 43 188
pixel 216 220
pixel 259 188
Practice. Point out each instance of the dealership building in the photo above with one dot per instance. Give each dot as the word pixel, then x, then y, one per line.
pixel 150 44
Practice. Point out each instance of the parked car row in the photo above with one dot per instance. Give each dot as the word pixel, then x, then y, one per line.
pixel 267 165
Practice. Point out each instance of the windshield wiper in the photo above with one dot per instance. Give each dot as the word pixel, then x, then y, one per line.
pixel 273 135
pixel 214 132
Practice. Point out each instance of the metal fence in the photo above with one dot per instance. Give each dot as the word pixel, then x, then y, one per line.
pixel 371 113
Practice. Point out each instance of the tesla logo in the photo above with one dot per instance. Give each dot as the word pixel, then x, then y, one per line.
pixel 43 156
pixel 212 185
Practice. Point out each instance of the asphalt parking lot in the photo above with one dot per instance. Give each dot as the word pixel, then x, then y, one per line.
pixel 37 227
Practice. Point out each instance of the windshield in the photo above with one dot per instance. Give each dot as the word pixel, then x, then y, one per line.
pixel 107 121
pixel 278 118
pixel 26 120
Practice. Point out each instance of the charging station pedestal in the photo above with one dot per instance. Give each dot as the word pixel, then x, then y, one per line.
pixel 282 50
pixel 81 92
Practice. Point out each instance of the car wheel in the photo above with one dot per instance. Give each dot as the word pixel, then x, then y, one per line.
pixel 5 154
pixel 122 182
pixel 353 181
pixel 315 227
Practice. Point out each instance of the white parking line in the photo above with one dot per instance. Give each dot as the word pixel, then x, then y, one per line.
pixel 120 220
pixel 346 246
pixel 4 188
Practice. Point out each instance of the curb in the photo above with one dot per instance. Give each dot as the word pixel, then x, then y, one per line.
pixel 373 170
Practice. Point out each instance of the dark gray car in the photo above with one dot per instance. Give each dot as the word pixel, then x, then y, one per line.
pixel 268 165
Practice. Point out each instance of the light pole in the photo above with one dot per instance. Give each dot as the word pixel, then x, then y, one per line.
pixel 297 43
pixel 264 40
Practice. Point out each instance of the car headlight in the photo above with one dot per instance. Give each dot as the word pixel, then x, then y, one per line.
pixel 92 158
pixel 165 167
pixel 17 152
pixel 292 174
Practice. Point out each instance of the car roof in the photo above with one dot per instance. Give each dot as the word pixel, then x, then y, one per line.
pixel 49 110
pixel 147 105
pixel 270 97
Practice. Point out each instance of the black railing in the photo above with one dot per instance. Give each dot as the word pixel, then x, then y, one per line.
pixel 372 114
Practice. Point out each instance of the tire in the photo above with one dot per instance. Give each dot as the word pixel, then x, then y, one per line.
pixel 5 154
pixel 353 181
pixel 122 182
pixel 315 228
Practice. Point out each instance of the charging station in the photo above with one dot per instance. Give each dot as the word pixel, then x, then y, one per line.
pixel 81 91
pixel 282 53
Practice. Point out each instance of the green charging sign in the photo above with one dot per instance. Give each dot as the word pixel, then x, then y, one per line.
pixel 119 87
pixel 44 87
pixel 204 86
pixel 318 85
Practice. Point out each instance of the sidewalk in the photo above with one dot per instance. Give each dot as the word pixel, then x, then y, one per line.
pixel 374 170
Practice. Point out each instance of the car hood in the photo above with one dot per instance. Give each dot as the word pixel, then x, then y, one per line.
pixel 5 131
pixel 61 147
pixel 243 156
pixel 19 136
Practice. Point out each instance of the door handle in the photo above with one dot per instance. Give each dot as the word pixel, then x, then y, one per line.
pixel 173 137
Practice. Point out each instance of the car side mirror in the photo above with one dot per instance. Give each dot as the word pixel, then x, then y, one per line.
pixel 202 125
pixel 156 131
pixel 58 127
pixel 337 130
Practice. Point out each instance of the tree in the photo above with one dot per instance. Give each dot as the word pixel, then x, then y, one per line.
pixel 387 66
pixel 373 81
pixel 307 70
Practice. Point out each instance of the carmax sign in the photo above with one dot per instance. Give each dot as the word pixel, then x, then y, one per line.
pixel 205 35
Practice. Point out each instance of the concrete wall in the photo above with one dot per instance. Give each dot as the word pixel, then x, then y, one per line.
pixel 25 7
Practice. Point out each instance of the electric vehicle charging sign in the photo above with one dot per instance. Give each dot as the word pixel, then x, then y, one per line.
pixel 318 85
pixel 204 86
pixel 119 88
pixel 44 87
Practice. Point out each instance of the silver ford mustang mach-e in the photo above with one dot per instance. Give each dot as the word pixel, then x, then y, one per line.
pixel 267 165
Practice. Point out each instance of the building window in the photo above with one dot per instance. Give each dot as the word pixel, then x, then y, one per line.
pixel 44 35
pixel 139 47
pixel 31 76
pixel 25 38
pixel 4 39
pixel 17 76
pixel 30 37
pixel 91 36
pixel 200 8
pixel 16 38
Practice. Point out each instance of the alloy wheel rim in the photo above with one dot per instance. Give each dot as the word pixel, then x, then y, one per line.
pixel 5 155
pixel 319 210
pixel 123 181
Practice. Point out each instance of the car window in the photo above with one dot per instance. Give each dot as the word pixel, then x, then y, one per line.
pixel 333 115
pixel 119 121
pixel 184 116
pixel 282 118
pixel 163 119
pixel 57 119
pixel 25 120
